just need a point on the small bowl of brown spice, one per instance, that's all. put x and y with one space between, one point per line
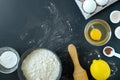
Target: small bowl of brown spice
110 52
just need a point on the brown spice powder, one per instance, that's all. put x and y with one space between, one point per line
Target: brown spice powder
108 51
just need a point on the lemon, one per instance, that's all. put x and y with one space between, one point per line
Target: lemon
95 34
100 69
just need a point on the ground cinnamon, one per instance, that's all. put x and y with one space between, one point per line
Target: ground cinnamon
108 51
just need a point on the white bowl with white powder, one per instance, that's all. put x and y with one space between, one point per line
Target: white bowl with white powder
117 32
39 64
9 59
115 16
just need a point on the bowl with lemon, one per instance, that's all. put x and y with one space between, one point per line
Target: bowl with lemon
97 32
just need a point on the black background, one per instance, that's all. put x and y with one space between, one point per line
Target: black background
53 24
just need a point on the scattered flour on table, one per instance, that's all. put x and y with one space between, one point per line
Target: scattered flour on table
54 29
41 64
92 55
114 68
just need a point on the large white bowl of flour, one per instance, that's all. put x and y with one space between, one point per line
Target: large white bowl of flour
39 64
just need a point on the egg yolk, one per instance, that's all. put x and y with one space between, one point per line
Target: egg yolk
95 34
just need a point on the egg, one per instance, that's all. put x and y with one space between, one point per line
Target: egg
102 2
89 6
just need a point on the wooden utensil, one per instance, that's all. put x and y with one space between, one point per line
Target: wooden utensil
79 72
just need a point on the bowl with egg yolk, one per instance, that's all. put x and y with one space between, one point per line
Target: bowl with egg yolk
97 32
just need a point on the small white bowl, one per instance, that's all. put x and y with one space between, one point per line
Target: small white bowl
117 32
9 70
115 16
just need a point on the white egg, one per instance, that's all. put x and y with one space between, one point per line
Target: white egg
89 6
101 2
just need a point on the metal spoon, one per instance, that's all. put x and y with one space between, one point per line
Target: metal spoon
112 53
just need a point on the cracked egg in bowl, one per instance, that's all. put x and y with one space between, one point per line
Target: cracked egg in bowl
97 32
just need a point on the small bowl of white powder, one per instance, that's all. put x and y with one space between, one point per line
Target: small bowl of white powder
39 64
9 59
117 32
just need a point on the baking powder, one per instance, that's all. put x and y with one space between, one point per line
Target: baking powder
8 59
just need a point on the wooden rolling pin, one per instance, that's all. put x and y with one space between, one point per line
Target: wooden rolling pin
79 72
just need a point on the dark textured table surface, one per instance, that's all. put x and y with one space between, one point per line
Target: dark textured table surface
53 24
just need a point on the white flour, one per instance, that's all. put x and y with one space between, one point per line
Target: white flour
8 59
41 64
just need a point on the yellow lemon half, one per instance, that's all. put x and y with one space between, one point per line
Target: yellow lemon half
95 34
100 70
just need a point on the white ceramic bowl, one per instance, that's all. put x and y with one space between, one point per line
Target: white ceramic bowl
117 32
115 16
9 70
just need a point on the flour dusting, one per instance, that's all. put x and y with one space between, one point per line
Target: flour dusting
92 55
52 32
114 68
